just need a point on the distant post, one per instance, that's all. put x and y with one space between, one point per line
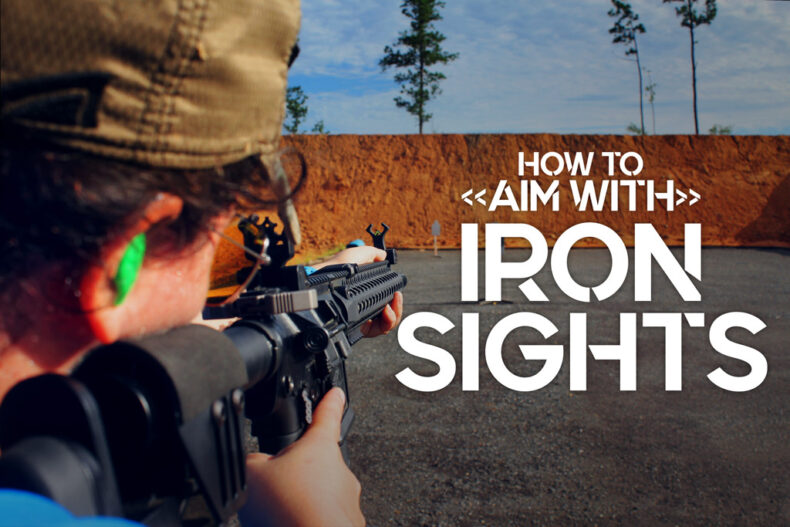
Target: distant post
436 230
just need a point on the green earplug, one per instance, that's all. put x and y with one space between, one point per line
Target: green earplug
129 268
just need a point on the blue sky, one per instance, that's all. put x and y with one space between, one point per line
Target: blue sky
549 66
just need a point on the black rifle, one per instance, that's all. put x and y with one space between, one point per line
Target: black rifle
142 425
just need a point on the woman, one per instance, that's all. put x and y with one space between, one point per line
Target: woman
132 132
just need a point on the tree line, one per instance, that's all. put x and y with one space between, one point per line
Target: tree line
417 52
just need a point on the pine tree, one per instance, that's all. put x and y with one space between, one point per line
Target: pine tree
625 30
691 19
295 109
422 49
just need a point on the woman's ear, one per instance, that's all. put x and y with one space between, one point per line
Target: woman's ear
103 293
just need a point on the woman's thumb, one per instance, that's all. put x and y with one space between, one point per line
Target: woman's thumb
258 457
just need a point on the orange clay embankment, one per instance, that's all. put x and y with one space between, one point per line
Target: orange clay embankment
408 181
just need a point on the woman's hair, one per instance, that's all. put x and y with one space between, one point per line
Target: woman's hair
60 206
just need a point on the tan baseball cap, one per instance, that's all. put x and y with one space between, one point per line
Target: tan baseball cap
169 83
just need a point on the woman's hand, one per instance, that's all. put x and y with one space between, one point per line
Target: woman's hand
364 254
387 320
392 314
308 483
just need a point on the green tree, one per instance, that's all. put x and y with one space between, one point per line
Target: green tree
635 129
295 109
650 90
691 18
422 49
718 129
625 30
318 128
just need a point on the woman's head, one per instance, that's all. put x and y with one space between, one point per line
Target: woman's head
106 105
128 118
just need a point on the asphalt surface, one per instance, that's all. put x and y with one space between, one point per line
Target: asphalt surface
701 456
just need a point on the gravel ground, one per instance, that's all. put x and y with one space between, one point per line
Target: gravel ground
702 456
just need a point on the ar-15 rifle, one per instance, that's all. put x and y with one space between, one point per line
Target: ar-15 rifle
141 425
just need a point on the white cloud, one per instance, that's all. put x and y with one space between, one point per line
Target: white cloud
344 38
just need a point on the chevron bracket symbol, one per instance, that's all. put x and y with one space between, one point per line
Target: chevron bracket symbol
682 197
695 197
478 197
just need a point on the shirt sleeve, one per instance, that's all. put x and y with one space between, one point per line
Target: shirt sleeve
19 508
